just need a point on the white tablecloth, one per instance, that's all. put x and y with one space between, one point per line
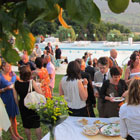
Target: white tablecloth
70 130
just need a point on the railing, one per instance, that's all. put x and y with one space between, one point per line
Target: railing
124 61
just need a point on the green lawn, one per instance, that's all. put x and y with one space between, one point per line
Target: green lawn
6 135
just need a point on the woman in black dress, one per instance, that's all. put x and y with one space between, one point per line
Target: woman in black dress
115 87
29 117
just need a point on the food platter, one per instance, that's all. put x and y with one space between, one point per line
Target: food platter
82 122
110 130
90 130
118 99
99 123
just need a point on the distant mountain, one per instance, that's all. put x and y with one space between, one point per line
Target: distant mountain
130 18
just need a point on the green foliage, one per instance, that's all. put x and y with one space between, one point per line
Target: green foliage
136 1
42 27
65 34
57 81
100 30
136 38
51 14
118 6
23 40
114 35
7 51
36 4
82 11
15 13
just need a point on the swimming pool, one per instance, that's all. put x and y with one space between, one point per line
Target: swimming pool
73 51
98 46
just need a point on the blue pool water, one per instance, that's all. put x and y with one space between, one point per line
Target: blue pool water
96 46
73 51
99 46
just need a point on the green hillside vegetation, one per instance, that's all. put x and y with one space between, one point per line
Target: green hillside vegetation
130 18
92 32
131 21
15 13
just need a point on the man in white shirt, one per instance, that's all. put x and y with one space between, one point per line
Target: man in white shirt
100 76
51 71
38 50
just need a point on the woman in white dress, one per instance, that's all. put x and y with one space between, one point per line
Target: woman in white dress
134 69
130 113
74 90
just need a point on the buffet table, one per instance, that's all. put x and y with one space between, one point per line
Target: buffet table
70 130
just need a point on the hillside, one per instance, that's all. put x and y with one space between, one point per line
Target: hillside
130 18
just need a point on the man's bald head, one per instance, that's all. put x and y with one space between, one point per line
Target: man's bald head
113 53
25 58
47 58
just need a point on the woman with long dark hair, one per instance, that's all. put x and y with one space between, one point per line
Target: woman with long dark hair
133 70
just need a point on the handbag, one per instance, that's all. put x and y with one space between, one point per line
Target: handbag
33 99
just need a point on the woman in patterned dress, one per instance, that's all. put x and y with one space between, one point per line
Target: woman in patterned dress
41 75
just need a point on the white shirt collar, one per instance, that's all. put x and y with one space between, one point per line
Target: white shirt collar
107 73
112 58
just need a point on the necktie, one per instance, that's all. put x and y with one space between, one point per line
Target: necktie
104 77
116 63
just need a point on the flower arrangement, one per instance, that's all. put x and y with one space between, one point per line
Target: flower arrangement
53 110
52 113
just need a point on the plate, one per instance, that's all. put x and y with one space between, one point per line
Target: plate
90 130
99 84
82 122
99 123
110 130
118 99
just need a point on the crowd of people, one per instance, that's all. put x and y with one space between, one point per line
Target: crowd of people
81 95
78 87
13 90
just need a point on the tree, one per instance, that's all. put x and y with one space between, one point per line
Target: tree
15 13
42 27
66 34
114 35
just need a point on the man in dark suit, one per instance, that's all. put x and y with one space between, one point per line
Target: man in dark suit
57 52
100 76
113 56
48 48
89 69
91 102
